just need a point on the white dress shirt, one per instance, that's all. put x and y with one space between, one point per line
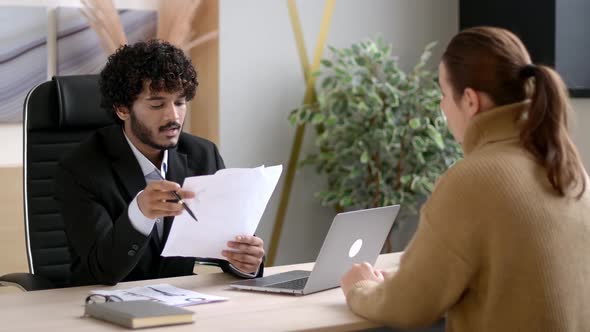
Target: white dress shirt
140 222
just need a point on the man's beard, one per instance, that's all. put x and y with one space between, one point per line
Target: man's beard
145 136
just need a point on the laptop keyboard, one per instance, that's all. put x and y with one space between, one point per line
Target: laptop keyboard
291 284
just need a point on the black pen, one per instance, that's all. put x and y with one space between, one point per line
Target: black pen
179 199
163 292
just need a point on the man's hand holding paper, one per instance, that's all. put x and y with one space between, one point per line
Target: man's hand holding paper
247 253
229 206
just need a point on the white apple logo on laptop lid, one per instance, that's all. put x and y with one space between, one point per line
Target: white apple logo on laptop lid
355 248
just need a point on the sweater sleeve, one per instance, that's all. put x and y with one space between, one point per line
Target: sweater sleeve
431 277
436 268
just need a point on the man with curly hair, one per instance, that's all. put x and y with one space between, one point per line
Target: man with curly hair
116 207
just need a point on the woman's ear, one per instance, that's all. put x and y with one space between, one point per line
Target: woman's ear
122 112
471 102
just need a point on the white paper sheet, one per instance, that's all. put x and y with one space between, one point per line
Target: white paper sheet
163 293
228 203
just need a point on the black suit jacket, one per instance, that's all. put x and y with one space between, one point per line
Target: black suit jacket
95 185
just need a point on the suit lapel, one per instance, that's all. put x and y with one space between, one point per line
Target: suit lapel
127 170
125 165
177 168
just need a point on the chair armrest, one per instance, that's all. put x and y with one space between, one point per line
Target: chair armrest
26 281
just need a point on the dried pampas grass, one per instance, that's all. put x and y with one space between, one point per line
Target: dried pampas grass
104 19
175 23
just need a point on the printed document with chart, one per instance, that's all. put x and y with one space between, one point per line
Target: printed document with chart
227 203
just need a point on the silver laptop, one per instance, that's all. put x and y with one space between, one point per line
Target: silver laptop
354 237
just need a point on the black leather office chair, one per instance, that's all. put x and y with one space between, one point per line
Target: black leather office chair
58 115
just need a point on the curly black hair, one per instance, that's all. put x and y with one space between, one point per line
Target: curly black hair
164 65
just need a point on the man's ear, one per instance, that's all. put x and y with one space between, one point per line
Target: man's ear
122 112
471 102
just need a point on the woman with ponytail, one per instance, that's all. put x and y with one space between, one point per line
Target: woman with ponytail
503 242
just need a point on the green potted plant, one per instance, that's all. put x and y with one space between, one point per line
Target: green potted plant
381 136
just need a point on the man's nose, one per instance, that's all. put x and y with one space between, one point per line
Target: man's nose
172 112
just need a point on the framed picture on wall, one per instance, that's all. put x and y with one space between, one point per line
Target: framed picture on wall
78 47
23 57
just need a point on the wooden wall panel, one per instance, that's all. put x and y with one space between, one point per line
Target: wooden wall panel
204 116
13 257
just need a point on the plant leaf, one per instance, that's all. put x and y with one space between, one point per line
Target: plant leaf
326 63
415 123
365 157
318 118
346 201
435 136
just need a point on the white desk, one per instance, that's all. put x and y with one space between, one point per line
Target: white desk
61 309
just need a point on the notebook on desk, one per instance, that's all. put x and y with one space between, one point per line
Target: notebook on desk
139 314
354 237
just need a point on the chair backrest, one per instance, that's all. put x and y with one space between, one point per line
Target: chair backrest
58 115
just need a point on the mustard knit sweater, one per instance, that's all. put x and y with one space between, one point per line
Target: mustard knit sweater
496 248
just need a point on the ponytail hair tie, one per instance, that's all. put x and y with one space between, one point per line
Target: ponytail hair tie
528 71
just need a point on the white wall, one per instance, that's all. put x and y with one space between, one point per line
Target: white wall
11 145
261 82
